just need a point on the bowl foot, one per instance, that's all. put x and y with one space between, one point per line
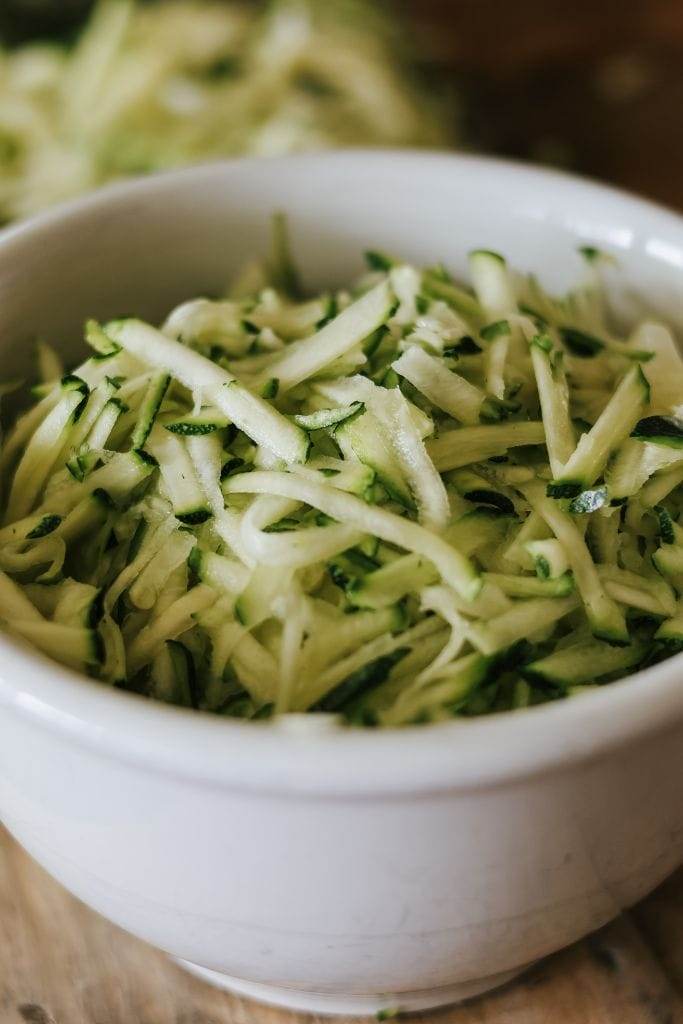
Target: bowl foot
352 1005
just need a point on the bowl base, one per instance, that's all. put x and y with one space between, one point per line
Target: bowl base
334 1003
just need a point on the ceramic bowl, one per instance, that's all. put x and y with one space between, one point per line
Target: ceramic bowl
350 870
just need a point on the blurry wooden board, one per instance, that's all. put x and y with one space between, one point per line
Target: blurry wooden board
593 86
62 964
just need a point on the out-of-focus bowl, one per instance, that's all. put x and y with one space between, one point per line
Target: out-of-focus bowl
348 870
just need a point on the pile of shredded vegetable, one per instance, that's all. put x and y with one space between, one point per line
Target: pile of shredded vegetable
399 503
148 87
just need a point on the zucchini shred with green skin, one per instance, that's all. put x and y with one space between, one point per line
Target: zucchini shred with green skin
395 504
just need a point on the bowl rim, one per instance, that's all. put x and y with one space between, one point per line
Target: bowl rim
297 754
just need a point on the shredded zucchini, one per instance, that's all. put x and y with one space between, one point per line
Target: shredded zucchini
352 504
148 87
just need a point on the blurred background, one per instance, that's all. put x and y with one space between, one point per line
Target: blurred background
94 91
596 85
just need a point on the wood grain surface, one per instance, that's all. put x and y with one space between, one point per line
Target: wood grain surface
60 963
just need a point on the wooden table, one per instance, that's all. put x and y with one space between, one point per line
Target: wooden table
60 963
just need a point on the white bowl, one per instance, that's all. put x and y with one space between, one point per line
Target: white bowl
350 870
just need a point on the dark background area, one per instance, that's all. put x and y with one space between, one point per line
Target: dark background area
592 85
596 85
